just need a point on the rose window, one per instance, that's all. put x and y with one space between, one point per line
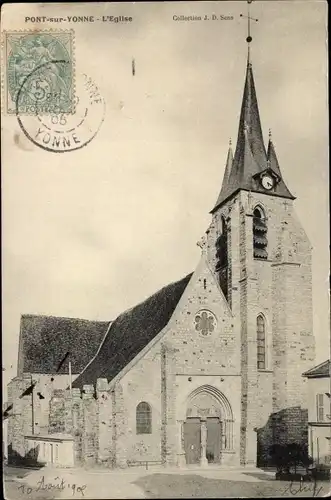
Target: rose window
205 322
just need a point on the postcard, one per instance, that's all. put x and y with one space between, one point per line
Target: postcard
165 250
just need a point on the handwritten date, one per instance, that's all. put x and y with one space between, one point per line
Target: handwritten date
59 484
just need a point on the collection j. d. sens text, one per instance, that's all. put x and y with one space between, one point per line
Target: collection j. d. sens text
212 17
118 19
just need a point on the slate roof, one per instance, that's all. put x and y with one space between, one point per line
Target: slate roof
321 370
250 156
131 332
45 340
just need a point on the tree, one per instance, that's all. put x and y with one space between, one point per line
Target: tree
290 456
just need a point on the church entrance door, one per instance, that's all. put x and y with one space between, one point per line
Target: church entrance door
192 440
213 451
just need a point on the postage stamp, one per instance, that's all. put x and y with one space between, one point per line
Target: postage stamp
39 72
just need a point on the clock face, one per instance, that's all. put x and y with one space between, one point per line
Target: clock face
268 182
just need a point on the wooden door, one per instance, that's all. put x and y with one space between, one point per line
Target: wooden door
213 451
192 440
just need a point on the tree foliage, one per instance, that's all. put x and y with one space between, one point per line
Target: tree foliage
289 457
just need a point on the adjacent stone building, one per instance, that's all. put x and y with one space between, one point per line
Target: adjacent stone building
46 345
319 412
208 370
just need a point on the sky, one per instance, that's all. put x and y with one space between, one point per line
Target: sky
91 233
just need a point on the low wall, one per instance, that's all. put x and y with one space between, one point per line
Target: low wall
56 450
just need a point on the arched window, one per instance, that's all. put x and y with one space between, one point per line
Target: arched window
260 229
261 344
143 418
222 258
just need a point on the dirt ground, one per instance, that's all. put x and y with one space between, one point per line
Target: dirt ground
49 484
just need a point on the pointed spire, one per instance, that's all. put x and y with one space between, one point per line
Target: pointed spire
282 189
227 172
250 156
250 121
228 166
272 157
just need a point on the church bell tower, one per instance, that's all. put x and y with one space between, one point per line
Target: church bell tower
261 258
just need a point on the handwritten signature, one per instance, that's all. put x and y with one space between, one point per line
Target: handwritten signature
59 484
296 487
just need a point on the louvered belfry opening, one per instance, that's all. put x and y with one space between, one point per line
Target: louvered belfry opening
222 259
260 230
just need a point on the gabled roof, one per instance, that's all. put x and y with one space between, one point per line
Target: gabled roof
250 156
321 370
131 332
45 340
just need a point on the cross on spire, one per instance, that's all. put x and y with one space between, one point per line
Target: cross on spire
249 19
250 159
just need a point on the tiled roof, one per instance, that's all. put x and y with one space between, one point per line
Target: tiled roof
45 340
131 332
321 370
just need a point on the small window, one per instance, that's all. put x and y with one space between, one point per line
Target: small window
143 418
261 347
260 229
320 407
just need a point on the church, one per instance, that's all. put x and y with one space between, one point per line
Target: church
208 370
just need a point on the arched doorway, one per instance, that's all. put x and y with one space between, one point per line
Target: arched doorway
208 428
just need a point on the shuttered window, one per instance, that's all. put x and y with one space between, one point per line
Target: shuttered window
260 229
261 346
222 258
320 407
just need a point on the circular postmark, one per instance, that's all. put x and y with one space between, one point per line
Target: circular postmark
61 132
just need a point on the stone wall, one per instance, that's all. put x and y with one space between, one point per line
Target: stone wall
168 411
57 412
38 413
20 421
78 414
75 419
87 416
288 426
146 381
106 452
280 289
171 367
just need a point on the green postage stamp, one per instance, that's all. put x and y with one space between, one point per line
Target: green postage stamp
39 72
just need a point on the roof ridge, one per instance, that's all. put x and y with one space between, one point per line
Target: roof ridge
150 296
132 331
29 315
312 371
